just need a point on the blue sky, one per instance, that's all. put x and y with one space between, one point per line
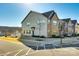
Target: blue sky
11 14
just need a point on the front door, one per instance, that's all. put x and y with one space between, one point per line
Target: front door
33 29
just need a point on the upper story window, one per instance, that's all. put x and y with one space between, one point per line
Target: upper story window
40 21
55 22
24 31
27 23
48 21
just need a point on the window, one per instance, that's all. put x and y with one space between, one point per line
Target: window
28 32
40 21
54 22
28 24
24 31
48 21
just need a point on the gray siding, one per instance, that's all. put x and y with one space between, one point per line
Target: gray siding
33 18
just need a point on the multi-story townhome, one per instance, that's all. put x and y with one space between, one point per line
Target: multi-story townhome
77 28
52 24
41 24
62 28
74 27
48 24
68 27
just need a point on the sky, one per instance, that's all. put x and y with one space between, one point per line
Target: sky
11 14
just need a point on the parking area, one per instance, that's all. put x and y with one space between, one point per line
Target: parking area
12 47
16 48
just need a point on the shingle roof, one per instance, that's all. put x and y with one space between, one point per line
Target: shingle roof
74 21
49 14
66 20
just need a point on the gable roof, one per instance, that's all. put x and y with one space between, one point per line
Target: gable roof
48 14
66 20
28 15
74 21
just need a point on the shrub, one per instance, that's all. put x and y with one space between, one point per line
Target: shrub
65 35
77 34
54 36
74 35
42 36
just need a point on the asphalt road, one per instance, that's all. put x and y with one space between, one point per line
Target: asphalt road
13 49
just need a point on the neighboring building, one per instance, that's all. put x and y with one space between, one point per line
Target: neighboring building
9 31
41 24
1 33
74 27
68 29
17 33
77 28
62 28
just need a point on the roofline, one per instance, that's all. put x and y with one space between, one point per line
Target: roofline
66 18
74 20
53 15
35 12
26 17
56 14
28 14
48 11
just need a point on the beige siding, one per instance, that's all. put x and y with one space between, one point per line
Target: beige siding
54 26
77 29
70 28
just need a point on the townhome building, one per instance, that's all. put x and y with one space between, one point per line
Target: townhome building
77 28
48 24
41 24
69 27
74 22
